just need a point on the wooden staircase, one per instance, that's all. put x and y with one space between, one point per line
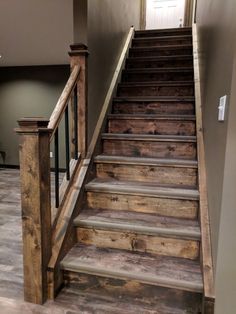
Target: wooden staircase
138 234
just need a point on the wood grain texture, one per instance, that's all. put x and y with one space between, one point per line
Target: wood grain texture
162 41
163 175
207 262
138 105
142 267
36 206
179 50
136 298
149 75
144 204
152 149
63 101
151 124
163 32
159 62
156 89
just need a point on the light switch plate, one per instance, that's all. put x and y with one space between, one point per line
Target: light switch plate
222 108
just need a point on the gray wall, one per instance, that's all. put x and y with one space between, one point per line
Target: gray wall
217 29
217 32
108 23
26 92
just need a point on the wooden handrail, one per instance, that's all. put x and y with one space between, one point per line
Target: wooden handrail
63 100
206 251
63 229
35 137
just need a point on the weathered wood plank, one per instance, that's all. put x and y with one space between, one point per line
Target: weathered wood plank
160 206
207 263
159 126
142 267
36 207
167 149
156 89
145 173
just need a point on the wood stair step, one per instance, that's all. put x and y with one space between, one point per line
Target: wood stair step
152 124
159 171
160 74
156 88
163 32
154 105
138 232
159 62
141 189
165 50
154 146
146 161
170 272
92 294
142 223
162 40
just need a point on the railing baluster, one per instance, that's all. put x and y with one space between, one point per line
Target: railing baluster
67 140
56 152
76 123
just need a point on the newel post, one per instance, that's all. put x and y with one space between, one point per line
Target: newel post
79 56
36 208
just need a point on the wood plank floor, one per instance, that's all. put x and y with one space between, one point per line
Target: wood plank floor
69 300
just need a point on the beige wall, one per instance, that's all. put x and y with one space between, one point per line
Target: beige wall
108 23
217 32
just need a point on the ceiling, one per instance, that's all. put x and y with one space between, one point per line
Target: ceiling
35 32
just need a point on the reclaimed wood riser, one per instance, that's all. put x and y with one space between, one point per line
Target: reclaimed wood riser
176 150
144 204
146 64
138 242
160 42
160 175
163 32
139 298
158 107
155 90
155 126
139 52
148 77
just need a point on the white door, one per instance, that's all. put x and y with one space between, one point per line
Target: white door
164 13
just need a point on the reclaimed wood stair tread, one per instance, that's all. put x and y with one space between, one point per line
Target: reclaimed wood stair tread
158 70
160 58
164 47
141 189
148 137
151 117
157 270
154 98
157 83
163 30
145 161
162 37
148 224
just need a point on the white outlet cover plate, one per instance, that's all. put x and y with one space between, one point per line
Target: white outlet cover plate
222 108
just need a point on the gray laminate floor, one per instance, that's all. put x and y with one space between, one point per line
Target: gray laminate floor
11 270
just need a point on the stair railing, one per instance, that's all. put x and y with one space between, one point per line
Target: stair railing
36 136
